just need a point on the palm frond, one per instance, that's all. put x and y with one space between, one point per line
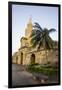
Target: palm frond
52 30
35 32
41 37
35 39
40 43
49 42
37 26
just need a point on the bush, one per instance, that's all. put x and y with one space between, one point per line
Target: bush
44 70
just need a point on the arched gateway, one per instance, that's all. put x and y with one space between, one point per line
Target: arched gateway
16 59
21 58
33 59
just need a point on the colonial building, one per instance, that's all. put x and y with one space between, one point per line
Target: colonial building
27 55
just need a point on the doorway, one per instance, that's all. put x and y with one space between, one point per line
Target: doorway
21 58
33 59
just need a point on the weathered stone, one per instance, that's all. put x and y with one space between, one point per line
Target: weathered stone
26 54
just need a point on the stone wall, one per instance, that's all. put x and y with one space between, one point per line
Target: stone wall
40 56
24 54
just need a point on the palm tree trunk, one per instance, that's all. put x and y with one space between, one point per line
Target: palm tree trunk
46 58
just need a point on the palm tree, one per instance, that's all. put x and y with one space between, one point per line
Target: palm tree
41 38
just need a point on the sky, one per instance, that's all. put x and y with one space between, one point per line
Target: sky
47 17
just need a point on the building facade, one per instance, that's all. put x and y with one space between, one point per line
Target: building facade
27 54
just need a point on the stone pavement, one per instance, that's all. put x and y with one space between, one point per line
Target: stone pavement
21 77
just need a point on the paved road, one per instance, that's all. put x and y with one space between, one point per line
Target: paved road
21 77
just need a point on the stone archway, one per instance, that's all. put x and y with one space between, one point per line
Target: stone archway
16 59
21 58
33 59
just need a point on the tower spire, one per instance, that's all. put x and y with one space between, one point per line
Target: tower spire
29 28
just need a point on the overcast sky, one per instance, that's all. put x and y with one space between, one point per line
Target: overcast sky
47 17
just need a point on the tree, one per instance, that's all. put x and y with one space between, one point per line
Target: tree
41 37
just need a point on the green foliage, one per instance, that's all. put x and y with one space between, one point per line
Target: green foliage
41 37
44 70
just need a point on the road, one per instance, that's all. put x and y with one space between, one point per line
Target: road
21 77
